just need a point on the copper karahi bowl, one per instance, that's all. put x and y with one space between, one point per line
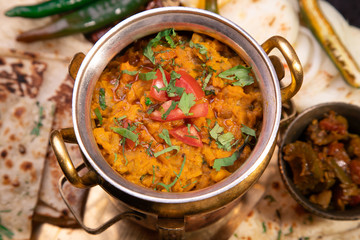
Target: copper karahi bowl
175 213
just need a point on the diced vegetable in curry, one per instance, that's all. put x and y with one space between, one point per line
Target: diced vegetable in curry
326 163
176 112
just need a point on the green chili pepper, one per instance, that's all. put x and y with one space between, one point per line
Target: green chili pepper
87 19
45 9
211 5
330 41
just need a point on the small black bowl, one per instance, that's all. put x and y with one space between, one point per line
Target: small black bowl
294 132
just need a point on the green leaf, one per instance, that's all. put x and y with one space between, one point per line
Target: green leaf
171 89
126 133
244 82
163 76
264 227
167 33
229 161
175 75
169 186
5 231
131 73
148 149
98 115
148 52
148 101
238 73
224 141
102 100
123 151
186 102
216 131
115 157
172 107
206 81
153 179
202 49
38 124
117 121
165 150
248 131
147 76
224 162
165 135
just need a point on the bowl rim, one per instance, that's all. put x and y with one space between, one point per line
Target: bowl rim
296 128
256 158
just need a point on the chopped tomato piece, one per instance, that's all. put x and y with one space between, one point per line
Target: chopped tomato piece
129 143
198 110
189 84
157 84
187 135
185 81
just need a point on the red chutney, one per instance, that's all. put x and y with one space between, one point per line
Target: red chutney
176 112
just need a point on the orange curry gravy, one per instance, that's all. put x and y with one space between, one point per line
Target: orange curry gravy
176 112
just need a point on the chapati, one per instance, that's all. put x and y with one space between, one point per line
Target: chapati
24 129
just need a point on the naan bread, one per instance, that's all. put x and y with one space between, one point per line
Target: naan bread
51 201
56 86
24 129
263 19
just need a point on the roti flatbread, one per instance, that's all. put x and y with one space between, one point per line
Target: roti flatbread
263 18
24 129
51 201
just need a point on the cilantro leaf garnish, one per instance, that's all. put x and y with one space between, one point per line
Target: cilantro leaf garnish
115 157
224 141
171 89
165 150
123 151
163 77
167 34
98 115
228 161
202 49
149 151
264 227
102 100
117 121
238 73
169 186
147 76
216 131
206 81
172 107
186 102
165 135
38 124
248 131
126 133
131 73
148 101
153 179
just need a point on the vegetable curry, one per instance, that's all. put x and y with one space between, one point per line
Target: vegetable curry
176 112
325 163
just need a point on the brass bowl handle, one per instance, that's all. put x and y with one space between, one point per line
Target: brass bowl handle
75 64
292 61
57 140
